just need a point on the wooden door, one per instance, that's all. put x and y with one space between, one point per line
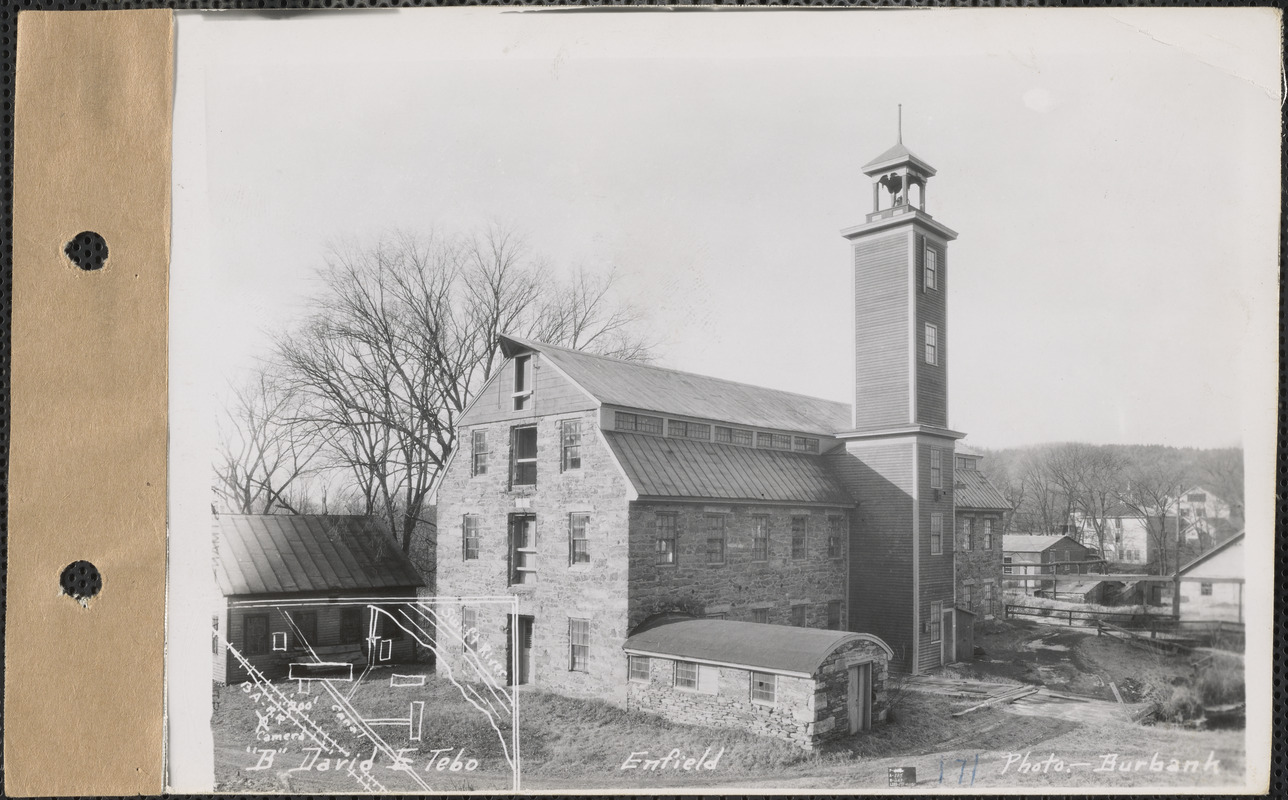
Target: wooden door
948 637
520 661
859 700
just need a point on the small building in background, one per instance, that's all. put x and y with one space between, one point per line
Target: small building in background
1027 558
979 509
804 685
1222 597
293 588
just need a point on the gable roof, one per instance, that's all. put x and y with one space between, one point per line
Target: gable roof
780 648
1032 542
670 467
612 381
283 554
1194 562
973 490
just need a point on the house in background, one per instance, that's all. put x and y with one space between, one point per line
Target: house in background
290 584
977 558
1220 598
1132 539
1026 557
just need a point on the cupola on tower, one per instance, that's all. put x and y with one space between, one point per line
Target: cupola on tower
901 440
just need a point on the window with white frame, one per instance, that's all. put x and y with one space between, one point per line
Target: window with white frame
522 382
774 441
569 445
932 343
800 537
931 269
640 423
966 598
579 645
524 471
478 452
936 469
988 533
764 688
686 675
469 538
665 526
805 444
760 538
936 621
733 436
835 536
578 543
967 533
688 430
638 670
936 534
523 549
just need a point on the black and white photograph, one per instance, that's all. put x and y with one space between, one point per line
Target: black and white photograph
710 401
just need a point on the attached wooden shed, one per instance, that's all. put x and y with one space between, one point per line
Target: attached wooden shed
303 588
805 685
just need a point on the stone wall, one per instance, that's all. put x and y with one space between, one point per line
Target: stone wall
976 567
805 712
594 591
740 585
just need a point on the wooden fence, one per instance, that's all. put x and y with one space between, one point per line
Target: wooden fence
1162 627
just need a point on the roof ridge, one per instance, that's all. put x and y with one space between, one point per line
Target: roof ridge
642 365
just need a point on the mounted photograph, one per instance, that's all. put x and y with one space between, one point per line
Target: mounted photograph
723 401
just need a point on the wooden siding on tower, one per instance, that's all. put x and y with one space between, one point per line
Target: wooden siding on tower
881 564
935 572
932 379
881 379
552 394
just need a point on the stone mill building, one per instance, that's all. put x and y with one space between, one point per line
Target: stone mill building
611 497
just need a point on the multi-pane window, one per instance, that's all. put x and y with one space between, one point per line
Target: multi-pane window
932 343
523 549
1205 588
715 538
764 688
968 533
469 624
988 534
936 534
570 444
966 598
522 382
988 599
256 634
639 669
936 469
806 444
834 615
469 538
798 616
1006 565
760 615
774 441
688 430
478 452
733 436
936 621
760 539
641 423
578 545
351 625
1197 497
579 645
306 628
686 675
932 269
524 472
665 524
835 535
800 537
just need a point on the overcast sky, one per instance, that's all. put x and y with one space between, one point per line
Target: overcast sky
1113 176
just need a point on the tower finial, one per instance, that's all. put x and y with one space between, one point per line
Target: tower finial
901 123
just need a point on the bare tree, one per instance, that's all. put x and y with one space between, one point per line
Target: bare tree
1155 479
1090 478
264 455
1222 472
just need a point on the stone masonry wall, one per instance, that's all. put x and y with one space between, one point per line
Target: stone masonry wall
740 585
806 711
594 591
976 566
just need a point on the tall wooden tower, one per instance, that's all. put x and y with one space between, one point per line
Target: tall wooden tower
900 453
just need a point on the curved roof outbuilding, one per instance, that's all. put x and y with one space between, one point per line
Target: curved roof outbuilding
749 645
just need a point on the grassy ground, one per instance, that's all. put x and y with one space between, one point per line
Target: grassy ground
582 745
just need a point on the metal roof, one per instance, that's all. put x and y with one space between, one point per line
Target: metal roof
670 467
896 155
646 387
1031 542
283 554
973 490
758 645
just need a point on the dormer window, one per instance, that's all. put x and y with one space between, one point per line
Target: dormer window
522 382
